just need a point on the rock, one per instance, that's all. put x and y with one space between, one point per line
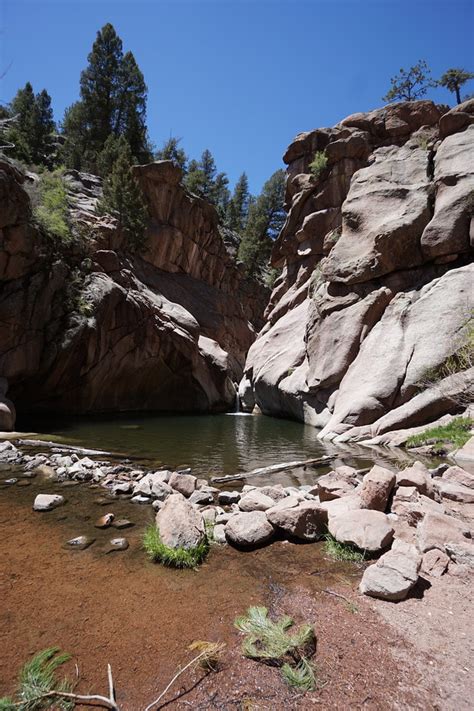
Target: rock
455 492
276 493
157 504
46 502
180 525
121 487
201 498
154 485
255 501
366 529
121 523
376 488
11 481
337 507
249 529
418 476
80 543
456 475
306 521
435 563
141 499
394 574
7 409
218 534
466 453
437 530
226 498
209 515
117 544
462 553
105 521
408 504
334 485
185 484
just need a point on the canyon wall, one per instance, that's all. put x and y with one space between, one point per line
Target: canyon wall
377 283
86 325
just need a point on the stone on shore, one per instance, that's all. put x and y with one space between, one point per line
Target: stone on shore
457 475
435 563
462 553
334 485
394 574
248 529
47 502
179 523
437 530
376 488
466 453
306 521
185 484
225 498
255 501
418 476
366 529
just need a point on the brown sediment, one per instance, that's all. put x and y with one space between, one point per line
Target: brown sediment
140 618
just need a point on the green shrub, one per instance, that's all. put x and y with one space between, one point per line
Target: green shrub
301 677
37 678
456 433
51 212
158 552
319 163
342 551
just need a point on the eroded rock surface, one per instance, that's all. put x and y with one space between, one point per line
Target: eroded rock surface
377 277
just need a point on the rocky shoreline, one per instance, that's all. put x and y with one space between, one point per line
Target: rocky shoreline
407 523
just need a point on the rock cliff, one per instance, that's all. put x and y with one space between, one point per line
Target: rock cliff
377 276
88 326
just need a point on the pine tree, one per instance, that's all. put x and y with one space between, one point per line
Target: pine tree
113 101
172 151
123 198
453 80
410 85
238 208
31 131
111 152
265 220
220 195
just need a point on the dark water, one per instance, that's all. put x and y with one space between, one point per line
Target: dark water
210 444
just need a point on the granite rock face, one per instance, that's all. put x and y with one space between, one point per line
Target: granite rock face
377 274
91 326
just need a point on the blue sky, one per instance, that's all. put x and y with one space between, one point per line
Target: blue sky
240 77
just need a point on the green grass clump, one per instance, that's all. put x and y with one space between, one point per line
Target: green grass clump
456 433
342 551
158 552
37 678
300 677
319 163
51 212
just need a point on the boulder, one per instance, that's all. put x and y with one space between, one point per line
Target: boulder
7 409
249 529
202 498
46 502
394 574
457 475
179 523
185 484
255 501
218 534
417 476
408 504
334 485
376 488
225 498
153 485
455 492
366 529
462 553
435 563
306 521
466 453
437 530
276 492
338 507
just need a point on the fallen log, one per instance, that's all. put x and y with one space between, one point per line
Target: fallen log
321 461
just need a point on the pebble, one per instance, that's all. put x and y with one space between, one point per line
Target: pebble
80 542
139 499
122 523
117 544
104 521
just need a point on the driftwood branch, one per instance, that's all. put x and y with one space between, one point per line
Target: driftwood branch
321 461
331 592
178 674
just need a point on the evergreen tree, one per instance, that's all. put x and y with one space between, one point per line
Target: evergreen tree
410 85
32 128
123 198
220 195
113 101
238 208
172 151
265 220
111 152
453 80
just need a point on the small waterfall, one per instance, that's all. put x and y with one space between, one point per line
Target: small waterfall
237 399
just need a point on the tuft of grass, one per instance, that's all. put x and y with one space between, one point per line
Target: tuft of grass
271 641
300 677
212 652
342 551
456 433
319 163
37 678
158 552
51 212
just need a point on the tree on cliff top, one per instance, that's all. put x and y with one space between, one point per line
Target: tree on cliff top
31 132
265 220
122 197
410 85
453 80
239 204
172 151
113 101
